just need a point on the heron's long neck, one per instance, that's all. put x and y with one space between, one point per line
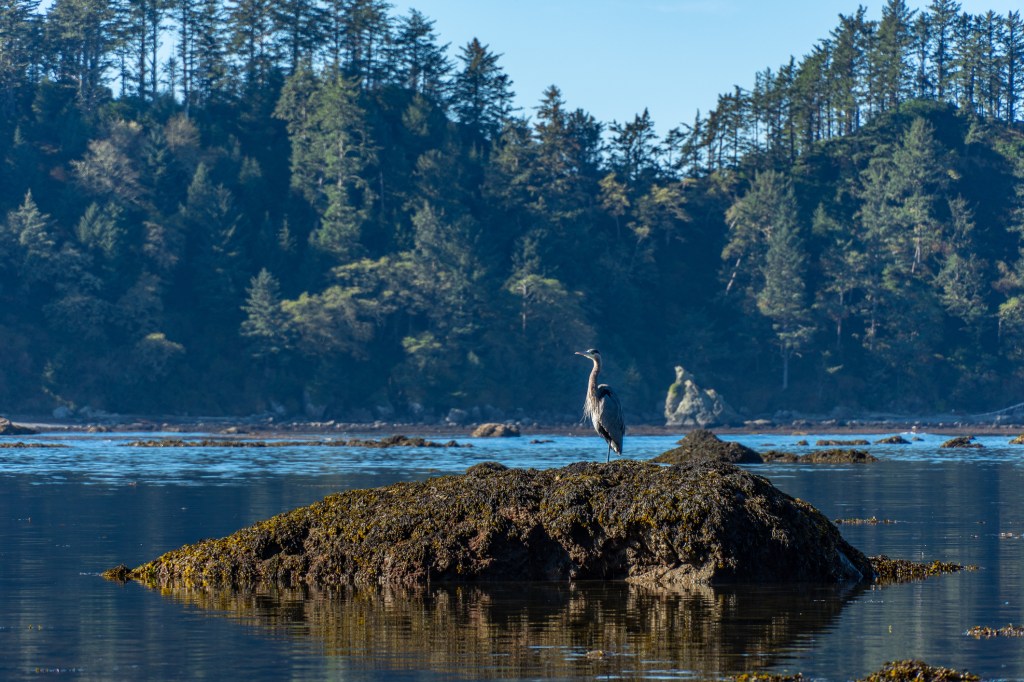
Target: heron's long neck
592 385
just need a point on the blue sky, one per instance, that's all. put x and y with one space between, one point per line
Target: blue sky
615 57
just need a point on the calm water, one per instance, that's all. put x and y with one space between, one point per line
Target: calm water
67 514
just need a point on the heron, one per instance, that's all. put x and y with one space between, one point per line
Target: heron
603 408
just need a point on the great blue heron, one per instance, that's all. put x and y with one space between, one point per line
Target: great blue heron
603 408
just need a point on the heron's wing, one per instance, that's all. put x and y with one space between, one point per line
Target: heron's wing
610 411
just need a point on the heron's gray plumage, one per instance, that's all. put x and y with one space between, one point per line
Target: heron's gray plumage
602 407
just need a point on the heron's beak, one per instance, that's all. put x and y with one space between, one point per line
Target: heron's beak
584 354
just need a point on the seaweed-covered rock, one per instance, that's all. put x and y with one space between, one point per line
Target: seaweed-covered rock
702 444
832 456
1019 440
841 443
706 522
961 442
9 428
892 440
986 632
916 671
889 571
496 431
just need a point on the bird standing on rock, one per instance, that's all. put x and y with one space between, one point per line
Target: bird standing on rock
603 408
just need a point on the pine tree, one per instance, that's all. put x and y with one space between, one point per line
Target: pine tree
942 19
18 53
482 92
299 26
422 64
890 66
1013 59
782 299
266 325
253 39
80 41
331 147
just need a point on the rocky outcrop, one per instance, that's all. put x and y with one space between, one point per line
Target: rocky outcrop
701 523
9 428
961 442
496 431
687 404
832 456
702 444
892 440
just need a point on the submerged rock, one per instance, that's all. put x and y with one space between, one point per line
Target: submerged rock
687 404
891 671
705 522
986 632
916 671
889 571
9 428
496 431
702 444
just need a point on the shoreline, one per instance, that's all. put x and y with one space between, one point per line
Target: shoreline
266 426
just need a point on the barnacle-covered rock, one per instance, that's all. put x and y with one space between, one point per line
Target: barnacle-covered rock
704 522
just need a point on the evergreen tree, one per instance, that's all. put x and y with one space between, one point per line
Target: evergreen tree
942 19
422 64
782 299
18 53
266 326
890 65
80 41
1013 56
482 92
331 148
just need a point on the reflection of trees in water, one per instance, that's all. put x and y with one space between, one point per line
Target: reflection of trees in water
545 629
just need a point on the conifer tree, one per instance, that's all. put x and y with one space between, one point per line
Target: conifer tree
482 92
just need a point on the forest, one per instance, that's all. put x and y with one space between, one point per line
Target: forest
313 207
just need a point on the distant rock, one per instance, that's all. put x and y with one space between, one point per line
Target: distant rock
961 442
832 456
841 443
9 428
703 445
492 430
700 523
1019 440
687 404
893 440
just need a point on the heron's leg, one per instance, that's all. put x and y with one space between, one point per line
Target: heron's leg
609 457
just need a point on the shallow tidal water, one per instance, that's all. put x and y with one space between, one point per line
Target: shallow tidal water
67 514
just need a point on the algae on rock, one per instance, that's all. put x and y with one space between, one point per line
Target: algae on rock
704 522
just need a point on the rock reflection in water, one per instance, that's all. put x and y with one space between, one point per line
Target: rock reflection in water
543 629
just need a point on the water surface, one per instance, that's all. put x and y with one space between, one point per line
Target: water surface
68 513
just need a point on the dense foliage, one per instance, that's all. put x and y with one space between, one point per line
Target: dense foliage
312 205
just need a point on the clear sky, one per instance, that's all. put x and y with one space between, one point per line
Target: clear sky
615 57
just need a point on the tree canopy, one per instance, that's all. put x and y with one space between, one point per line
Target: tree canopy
315 206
